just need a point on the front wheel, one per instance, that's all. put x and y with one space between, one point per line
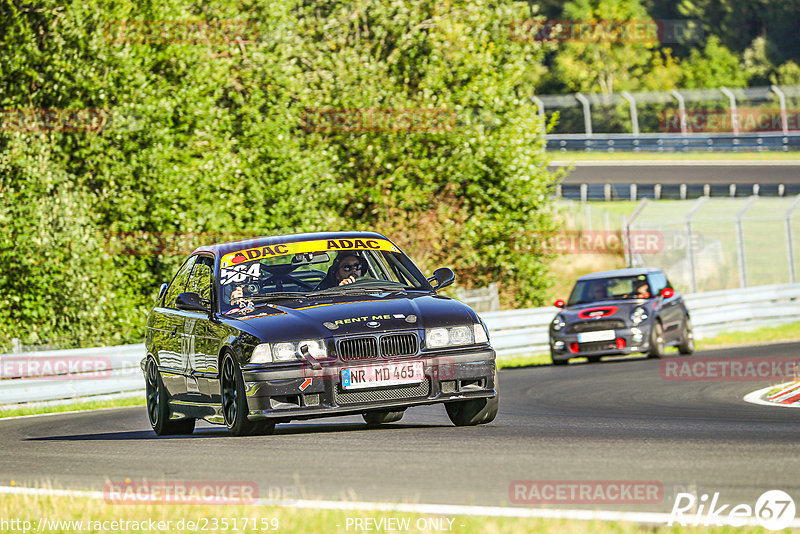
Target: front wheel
556 362
234 402
687 338
656 341
158 405
472 412
382 417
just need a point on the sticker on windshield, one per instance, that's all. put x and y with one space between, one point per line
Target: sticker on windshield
321 245
240 273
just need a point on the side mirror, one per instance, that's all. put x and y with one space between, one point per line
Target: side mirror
161 292
667 292
191 302
559 303
443 276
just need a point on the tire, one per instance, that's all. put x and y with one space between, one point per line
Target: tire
593 359
472 412
556 362
686 345
382 417
234 402
656 341
158 410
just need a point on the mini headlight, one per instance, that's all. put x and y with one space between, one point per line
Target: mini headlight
558 322
261 354
638 315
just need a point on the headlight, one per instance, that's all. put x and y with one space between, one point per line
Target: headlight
480 333
261 354
454 335
558 322
288 351
638 315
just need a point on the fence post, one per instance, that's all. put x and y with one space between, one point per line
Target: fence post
634 117
740 241
584 192
690 242
16 346
782 99
626 227
587 113
789 242
681 110
540 107
734 117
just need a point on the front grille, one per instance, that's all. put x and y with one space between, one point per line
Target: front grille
597 346
385 394
399 345
359 348
599 324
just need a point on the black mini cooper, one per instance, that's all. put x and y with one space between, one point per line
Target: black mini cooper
620 312
254 333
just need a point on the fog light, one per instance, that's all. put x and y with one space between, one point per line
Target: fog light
558 345
636 334
620 343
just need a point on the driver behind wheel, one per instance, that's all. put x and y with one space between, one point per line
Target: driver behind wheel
346 268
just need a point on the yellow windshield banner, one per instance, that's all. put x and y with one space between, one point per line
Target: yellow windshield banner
321 245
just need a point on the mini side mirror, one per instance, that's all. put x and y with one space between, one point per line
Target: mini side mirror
559 303
443 277
667 292
191 302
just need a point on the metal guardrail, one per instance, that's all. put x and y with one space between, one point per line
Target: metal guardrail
512 332
663 142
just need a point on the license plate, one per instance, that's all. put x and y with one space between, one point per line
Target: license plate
600 335
392 374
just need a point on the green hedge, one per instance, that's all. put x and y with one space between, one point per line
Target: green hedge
410 118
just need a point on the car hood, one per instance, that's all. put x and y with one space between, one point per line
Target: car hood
345 315
605 309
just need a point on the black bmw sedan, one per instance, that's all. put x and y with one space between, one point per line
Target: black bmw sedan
620 312
253 333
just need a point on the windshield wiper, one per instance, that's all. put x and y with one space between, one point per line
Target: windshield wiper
351 288
277 296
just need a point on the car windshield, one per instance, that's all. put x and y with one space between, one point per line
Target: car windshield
612 288
314 268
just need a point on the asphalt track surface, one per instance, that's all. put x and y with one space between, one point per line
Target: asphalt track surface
614 420
677 172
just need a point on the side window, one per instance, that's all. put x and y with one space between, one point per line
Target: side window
200 279
178 283
658 281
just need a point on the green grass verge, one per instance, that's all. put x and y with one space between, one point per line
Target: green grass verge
73 406
96 516
673 156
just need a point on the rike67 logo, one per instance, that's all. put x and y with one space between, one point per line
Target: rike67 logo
774 510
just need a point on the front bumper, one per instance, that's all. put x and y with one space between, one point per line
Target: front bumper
302 392
636 338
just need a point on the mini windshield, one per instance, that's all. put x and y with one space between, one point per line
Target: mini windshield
313 268
614 288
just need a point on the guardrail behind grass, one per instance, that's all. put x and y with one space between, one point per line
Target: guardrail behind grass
513 332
